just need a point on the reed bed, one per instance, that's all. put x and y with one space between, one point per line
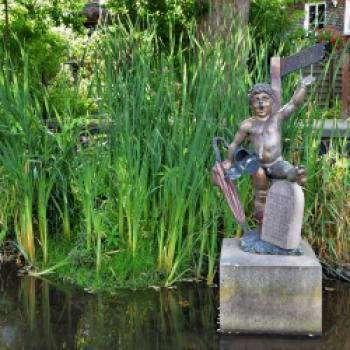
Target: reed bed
135 204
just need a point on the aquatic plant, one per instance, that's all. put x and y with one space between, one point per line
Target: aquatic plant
134 203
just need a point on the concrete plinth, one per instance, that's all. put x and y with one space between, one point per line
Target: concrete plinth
270 294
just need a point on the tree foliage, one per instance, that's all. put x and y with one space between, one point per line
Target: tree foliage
271 20
35 26
179 13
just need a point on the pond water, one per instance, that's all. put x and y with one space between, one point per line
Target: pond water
39 314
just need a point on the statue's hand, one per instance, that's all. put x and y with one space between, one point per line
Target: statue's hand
304 82
226 164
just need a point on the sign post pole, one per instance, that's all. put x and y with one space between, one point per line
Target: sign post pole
276 81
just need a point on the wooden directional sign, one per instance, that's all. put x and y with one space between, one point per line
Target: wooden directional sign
281 66
302 59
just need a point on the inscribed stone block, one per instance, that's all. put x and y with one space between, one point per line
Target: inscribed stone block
283 216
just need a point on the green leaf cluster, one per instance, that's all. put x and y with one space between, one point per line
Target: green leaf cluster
38 26
179 13
273 23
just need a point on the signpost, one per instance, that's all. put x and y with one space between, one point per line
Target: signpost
281 66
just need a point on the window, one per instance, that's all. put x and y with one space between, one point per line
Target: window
315 16
347 18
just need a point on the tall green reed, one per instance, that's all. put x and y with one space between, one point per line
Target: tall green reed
16 145
29 158
142 187
164 108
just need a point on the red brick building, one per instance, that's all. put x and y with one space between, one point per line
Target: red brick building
334 71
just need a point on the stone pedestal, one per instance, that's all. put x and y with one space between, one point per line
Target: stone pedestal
270 294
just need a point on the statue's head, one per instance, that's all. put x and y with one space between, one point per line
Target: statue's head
261 99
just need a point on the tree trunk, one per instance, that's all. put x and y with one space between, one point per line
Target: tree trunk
241 9
222 16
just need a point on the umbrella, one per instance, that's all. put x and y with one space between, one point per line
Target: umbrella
226 184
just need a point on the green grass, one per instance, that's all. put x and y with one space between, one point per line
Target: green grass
135 205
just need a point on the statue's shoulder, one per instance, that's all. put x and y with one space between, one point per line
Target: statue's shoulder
247 124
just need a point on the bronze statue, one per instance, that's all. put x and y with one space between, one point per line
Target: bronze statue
264 131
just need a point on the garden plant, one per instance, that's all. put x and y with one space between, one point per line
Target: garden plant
132 203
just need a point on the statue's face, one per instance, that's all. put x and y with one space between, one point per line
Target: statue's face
262 104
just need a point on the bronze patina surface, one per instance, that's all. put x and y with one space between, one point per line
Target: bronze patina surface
265 133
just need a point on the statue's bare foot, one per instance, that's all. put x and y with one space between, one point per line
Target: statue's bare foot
302 175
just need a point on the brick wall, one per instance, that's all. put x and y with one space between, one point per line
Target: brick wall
330 79
329 74
335 15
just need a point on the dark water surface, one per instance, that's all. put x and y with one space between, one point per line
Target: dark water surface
37 314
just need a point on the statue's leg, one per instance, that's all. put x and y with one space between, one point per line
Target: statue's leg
261 186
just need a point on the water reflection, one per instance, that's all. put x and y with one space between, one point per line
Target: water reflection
37 314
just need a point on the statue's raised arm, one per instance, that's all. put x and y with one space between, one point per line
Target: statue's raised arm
297 99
